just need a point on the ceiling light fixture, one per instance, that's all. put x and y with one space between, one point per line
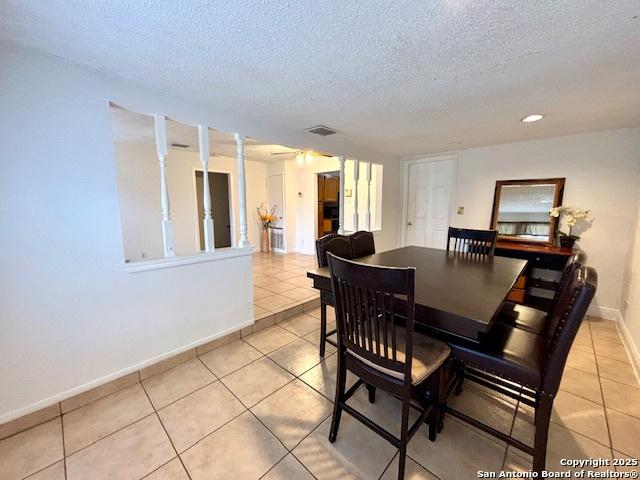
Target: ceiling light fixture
532 118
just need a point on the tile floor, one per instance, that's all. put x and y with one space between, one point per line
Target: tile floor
280 282
260 408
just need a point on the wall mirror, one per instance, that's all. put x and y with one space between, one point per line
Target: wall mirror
521 209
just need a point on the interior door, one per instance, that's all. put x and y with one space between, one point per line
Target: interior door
429 202
275 196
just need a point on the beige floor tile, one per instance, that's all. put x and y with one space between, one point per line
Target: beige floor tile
169 471
227 453
263 280
301 325
30 420
301 281
230 358
100 418
289 468
596 322
260 313
170 385
322 377
53 472
274 302
283 276
490 408
279 287
256 381
259 292
30 451
297 357
621 397
357 453
99 392
130 453
270 339
458 452
168 363
580 415
331 313
630 464
614 351
625 433
585 361
516 463
581 383
299 293
198 414
314 337
601 335
621 372
412 471
292 412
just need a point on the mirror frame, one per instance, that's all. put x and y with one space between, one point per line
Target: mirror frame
557 201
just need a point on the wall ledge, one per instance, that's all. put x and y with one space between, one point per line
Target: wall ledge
179 261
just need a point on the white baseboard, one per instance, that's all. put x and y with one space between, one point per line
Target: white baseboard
629 345
47 402
607 313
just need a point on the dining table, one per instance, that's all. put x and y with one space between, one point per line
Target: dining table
456 293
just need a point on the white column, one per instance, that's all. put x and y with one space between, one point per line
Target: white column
356 177
341 197
368 214
242 191
162 149
207 221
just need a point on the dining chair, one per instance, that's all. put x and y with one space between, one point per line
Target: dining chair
472 242
526 366
339 245
534 319
383 350
362 244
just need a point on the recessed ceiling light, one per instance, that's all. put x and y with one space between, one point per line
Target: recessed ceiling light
532 118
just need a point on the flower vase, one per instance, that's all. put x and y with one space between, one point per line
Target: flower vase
264 241
567 242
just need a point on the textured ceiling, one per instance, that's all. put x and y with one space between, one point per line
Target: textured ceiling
397 77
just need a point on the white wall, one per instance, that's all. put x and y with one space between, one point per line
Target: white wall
601 171
631 293
71 317
139 197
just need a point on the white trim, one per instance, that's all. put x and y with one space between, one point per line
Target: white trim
629 345
219 254
404 194
47 402
606 313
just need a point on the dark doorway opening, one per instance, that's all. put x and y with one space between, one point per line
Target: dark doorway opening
220 208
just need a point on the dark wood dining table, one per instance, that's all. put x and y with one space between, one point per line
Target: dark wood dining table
455 293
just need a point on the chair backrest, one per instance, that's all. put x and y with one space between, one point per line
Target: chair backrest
575 261
365 297
335 243
565 323
362 244
473 242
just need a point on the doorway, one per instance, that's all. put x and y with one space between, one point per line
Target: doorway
430 185
220 208
275 198
328 216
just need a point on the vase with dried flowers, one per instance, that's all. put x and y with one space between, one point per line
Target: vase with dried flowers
570 217
267 217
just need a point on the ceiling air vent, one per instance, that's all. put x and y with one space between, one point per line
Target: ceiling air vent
321 130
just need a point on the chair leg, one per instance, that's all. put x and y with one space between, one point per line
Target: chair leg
323 327
372 393
337 405
435 418
404 438
543 414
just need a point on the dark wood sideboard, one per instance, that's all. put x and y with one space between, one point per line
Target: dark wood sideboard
532 288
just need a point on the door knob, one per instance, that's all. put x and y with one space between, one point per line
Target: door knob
409 224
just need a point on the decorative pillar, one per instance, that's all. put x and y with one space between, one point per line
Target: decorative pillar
162 149
207 222
356 178
341 197
242 191
368 214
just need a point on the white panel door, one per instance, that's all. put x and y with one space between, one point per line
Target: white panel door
429 200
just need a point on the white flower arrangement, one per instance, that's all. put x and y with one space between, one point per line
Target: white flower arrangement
571 217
